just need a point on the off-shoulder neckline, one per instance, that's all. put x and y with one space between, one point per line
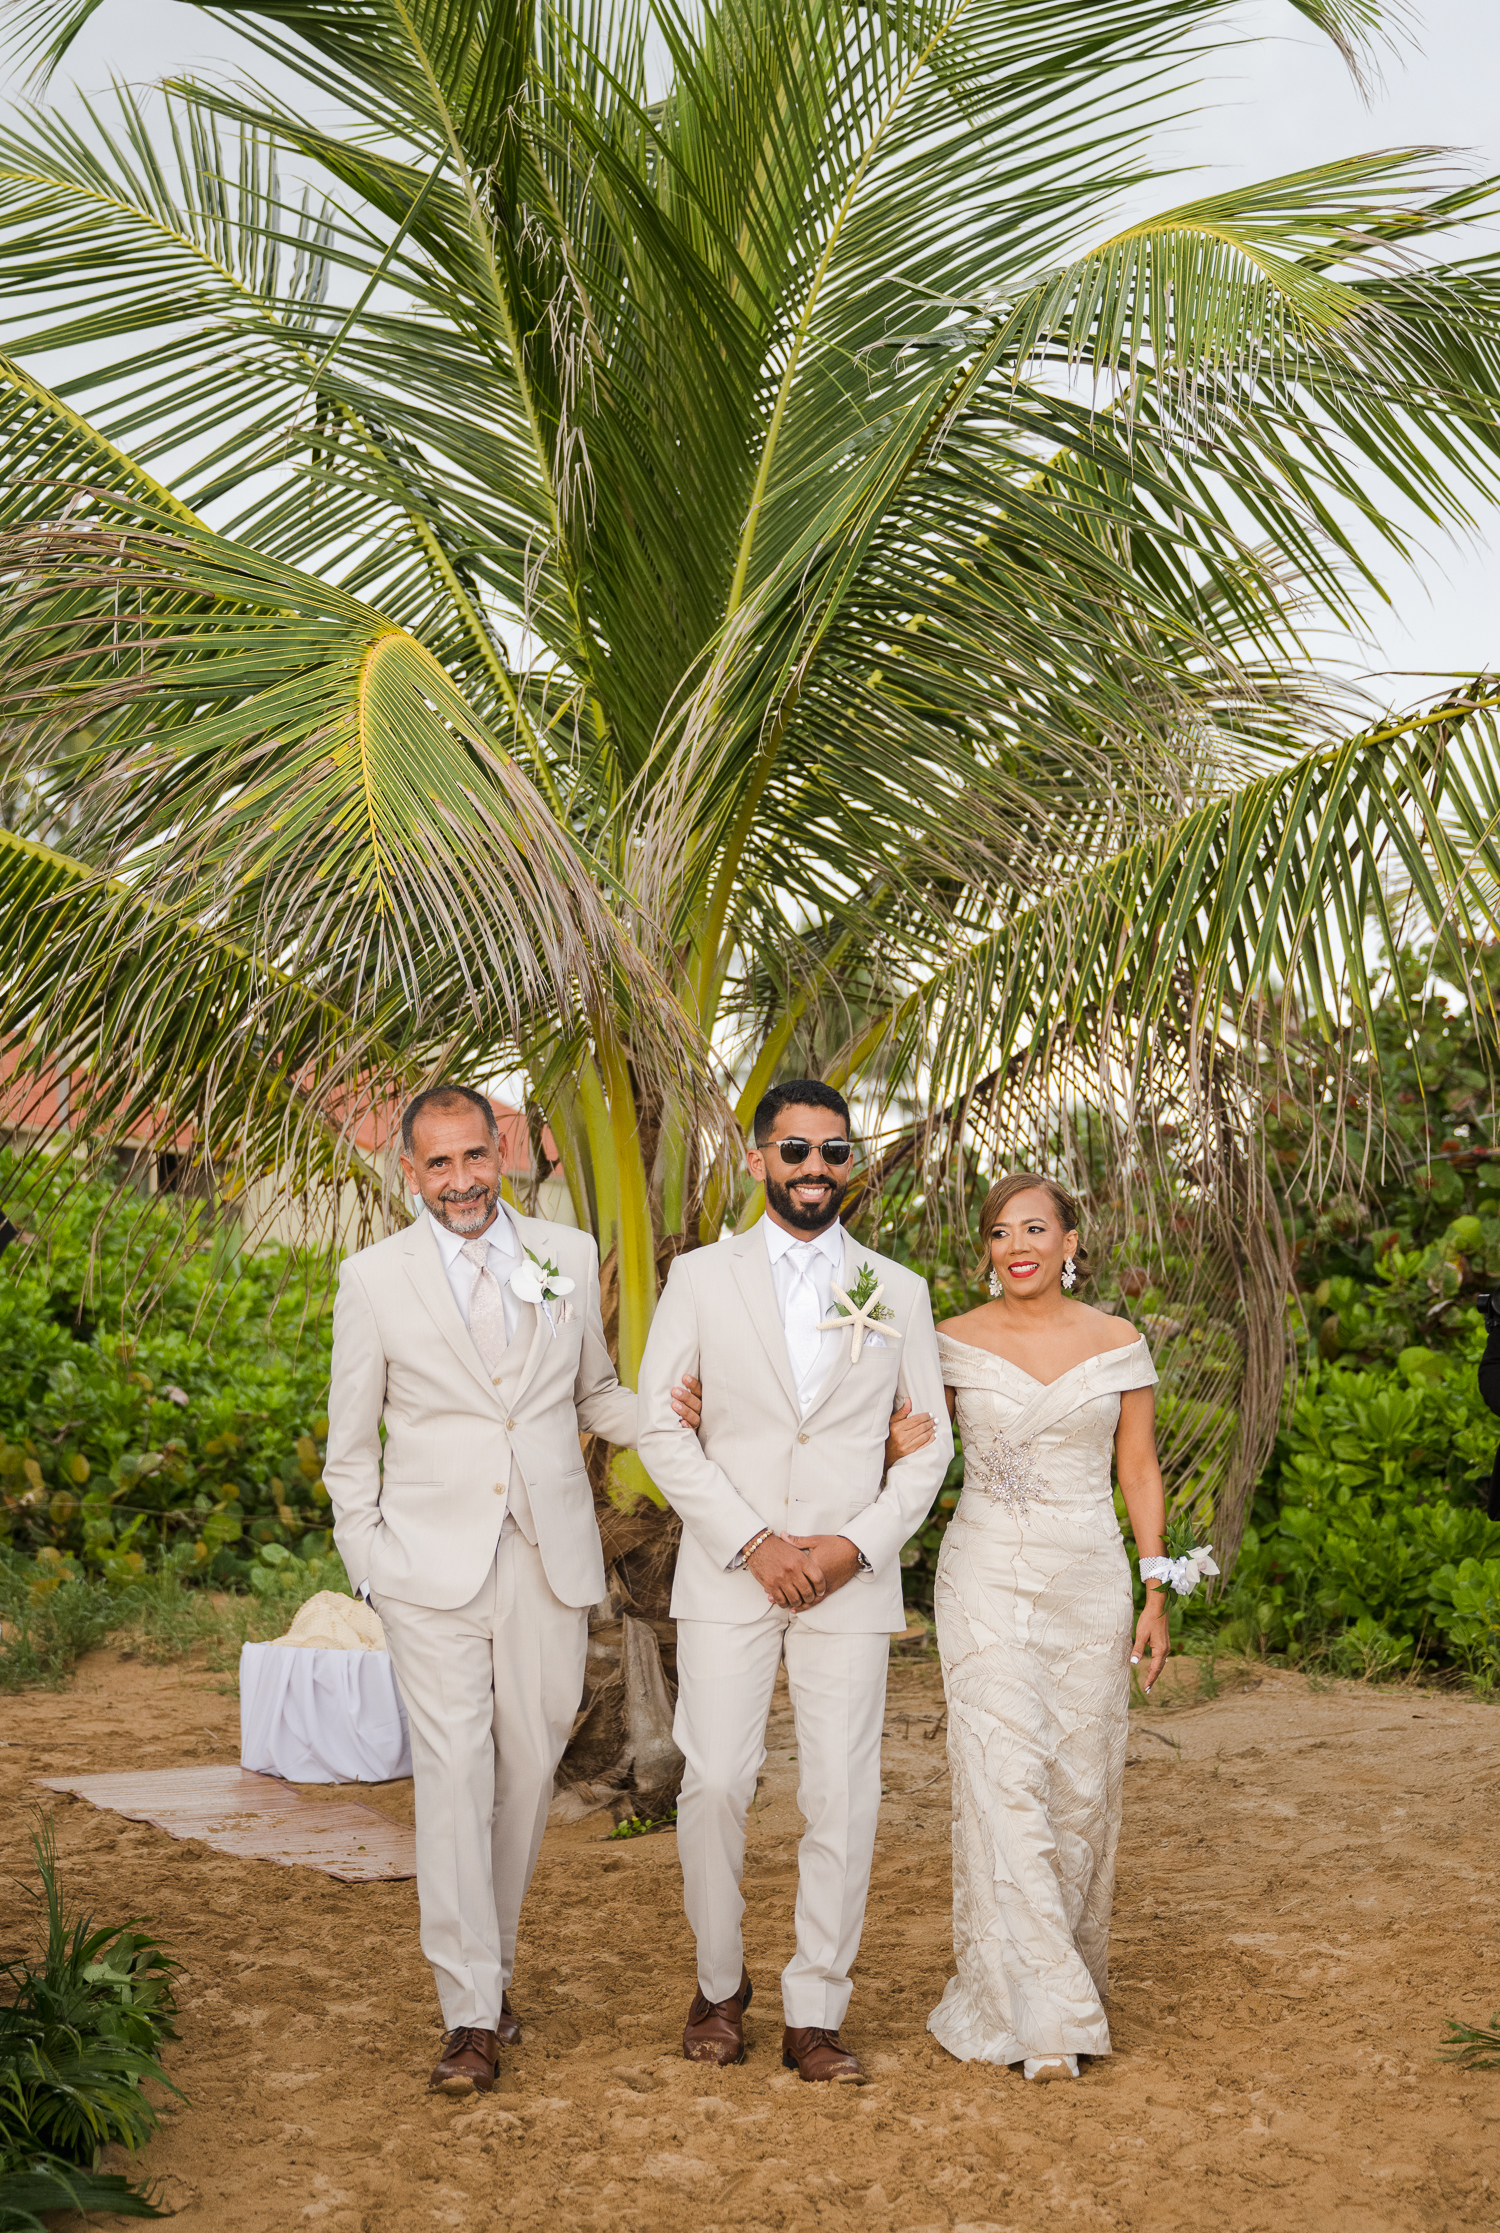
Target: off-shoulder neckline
1121 1349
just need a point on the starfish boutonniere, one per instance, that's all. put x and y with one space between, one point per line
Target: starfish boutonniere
861 1310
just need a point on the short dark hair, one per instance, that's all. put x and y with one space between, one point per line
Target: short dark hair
796 1093
447 1097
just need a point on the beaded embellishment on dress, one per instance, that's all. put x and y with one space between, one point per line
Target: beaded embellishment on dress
1008 1474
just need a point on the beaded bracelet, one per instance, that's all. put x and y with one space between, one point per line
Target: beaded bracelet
755 1543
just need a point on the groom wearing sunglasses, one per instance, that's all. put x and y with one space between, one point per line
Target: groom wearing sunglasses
791 1541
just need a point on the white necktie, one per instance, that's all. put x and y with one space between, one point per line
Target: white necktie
803 1311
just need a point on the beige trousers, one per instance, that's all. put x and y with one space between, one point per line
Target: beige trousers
490 1693
725 1677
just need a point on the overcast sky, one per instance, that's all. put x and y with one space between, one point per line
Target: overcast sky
1280 104
1286 102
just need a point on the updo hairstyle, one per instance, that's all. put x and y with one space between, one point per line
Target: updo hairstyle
1006 1189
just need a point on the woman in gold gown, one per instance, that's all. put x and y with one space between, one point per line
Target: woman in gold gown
1034 1624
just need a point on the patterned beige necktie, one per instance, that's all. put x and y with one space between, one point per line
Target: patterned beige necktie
487 1325
486 1305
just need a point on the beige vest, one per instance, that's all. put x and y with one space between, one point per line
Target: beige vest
507 1387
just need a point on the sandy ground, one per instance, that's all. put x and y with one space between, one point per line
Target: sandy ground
1306 1891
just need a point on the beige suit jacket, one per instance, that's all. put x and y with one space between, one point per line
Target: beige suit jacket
420 1519
758 1462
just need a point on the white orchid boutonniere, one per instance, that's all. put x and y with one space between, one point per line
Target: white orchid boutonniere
861 1310
537 1280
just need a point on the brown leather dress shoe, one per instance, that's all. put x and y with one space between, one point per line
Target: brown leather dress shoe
468 2062
715 2029
508 2030
819 2056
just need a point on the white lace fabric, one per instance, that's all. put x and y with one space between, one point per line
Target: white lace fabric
1033 1606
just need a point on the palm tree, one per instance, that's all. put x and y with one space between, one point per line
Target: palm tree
699 532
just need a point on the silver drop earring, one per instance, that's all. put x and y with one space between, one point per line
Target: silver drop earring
1070 1276
994 1281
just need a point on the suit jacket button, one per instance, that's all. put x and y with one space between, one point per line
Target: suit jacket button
510 1422
802 1438
499 1488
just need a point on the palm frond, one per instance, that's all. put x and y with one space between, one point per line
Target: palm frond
247 740
164 1029
1354 26
1114 1026
225 354
1265 886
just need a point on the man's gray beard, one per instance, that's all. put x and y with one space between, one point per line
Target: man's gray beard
780 1199
487 1204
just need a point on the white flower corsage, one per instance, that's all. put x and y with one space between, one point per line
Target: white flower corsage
1181 1574
860 1311
538 1280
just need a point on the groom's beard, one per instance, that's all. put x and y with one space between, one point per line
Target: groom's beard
808 1217
466 1210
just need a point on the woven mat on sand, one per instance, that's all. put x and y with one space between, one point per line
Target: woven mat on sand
256 1817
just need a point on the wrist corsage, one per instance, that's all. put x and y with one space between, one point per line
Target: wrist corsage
1186 1563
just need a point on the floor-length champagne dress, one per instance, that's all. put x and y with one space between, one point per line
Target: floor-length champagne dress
1034 1623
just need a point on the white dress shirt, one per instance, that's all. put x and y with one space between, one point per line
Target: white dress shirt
807 1349
818 1261
504 1258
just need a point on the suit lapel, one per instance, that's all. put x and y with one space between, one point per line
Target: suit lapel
752 1270
428 1275
841 1364
535 1236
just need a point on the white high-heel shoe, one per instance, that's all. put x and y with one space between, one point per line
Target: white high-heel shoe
1045 2067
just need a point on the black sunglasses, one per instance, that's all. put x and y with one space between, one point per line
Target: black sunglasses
834 1152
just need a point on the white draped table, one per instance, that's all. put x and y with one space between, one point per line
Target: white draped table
321 1716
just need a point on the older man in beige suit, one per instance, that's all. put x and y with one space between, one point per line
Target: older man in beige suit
474 1338
792 1533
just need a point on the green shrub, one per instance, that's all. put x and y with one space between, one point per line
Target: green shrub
159 1390
1351 1583
1466 1610
1411 1432
48 1622
1428 1166
52 1610
79 2038
1376 1490
1368 1649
